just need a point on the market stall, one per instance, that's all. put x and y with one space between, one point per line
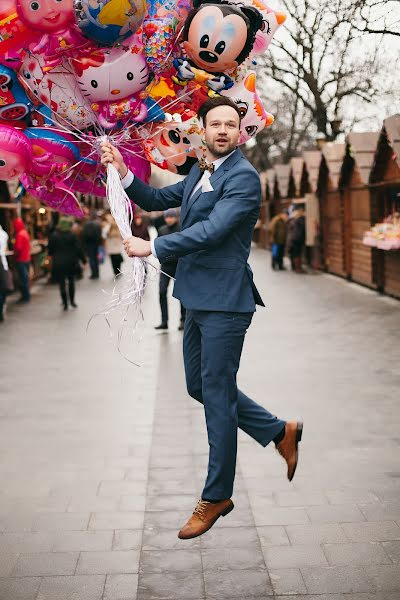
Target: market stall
384 236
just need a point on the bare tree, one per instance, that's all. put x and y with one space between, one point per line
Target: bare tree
379 17
321 63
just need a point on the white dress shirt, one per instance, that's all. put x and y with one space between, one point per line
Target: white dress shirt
203 183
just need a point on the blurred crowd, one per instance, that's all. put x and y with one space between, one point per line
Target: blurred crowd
74 246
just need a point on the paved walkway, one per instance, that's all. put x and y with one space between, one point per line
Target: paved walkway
101 461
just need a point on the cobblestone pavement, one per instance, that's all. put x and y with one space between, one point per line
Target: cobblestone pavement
102 461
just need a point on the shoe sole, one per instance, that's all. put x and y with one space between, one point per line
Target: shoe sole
223 514
299 435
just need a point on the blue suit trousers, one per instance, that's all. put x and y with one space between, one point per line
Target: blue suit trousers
212 347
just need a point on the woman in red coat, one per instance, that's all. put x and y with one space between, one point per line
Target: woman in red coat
22 255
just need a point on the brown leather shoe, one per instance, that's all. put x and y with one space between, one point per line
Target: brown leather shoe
203 518
288 447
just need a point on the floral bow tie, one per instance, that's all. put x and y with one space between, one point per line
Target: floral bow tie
205 166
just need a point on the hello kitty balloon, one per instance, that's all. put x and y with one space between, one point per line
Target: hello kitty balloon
113 82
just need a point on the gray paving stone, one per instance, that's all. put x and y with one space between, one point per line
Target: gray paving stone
326 580
93 504
7 564
281 557
164 561
385 577
122 488
79 587
166 519
24 588
275 515
172 487
16 522
70 541
46 563
385 511
127 539
164 539
117 520
392 549
351 495
121 587
287 581
14 543
230 537
217 559
179 586
170 502
345 513
300 498
132 503
273 535
329 597
115 561
61 522
316 534
372 532
237 584
356 554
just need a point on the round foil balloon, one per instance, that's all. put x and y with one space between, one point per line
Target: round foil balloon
254 116
15 153
53 21
109 21
57 89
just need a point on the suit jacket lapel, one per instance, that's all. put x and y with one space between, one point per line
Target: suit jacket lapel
213 179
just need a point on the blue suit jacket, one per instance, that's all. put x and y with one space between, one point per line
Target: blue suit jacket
216 231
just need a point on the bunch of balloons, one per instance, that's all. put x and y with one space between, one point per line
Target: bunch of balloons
136 71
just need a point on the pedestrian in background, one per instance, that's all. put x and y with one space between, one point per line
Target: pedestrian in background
66 252
22 255
113 243
3 270
139 227
278 231
297 239
91 240
168 268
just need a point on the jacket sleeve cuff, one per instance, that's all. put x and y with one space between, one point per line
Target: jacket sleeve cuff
153 249
127 180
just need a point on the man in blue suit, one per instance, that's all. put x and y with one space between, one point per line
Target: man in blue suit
220 203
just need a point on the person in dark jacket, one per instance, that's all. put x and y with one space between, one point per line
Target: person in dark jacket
297 239
168 267
139 227
91 240
66 253
278 230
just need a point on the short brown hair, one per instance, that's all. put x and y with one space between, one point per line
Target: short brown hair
213 103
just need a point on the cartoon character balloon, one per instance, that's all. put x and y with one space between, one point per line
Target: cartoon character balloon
173 147
271 21
54 22
112 80
109 21
254 116
57 89
217 37
15 153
